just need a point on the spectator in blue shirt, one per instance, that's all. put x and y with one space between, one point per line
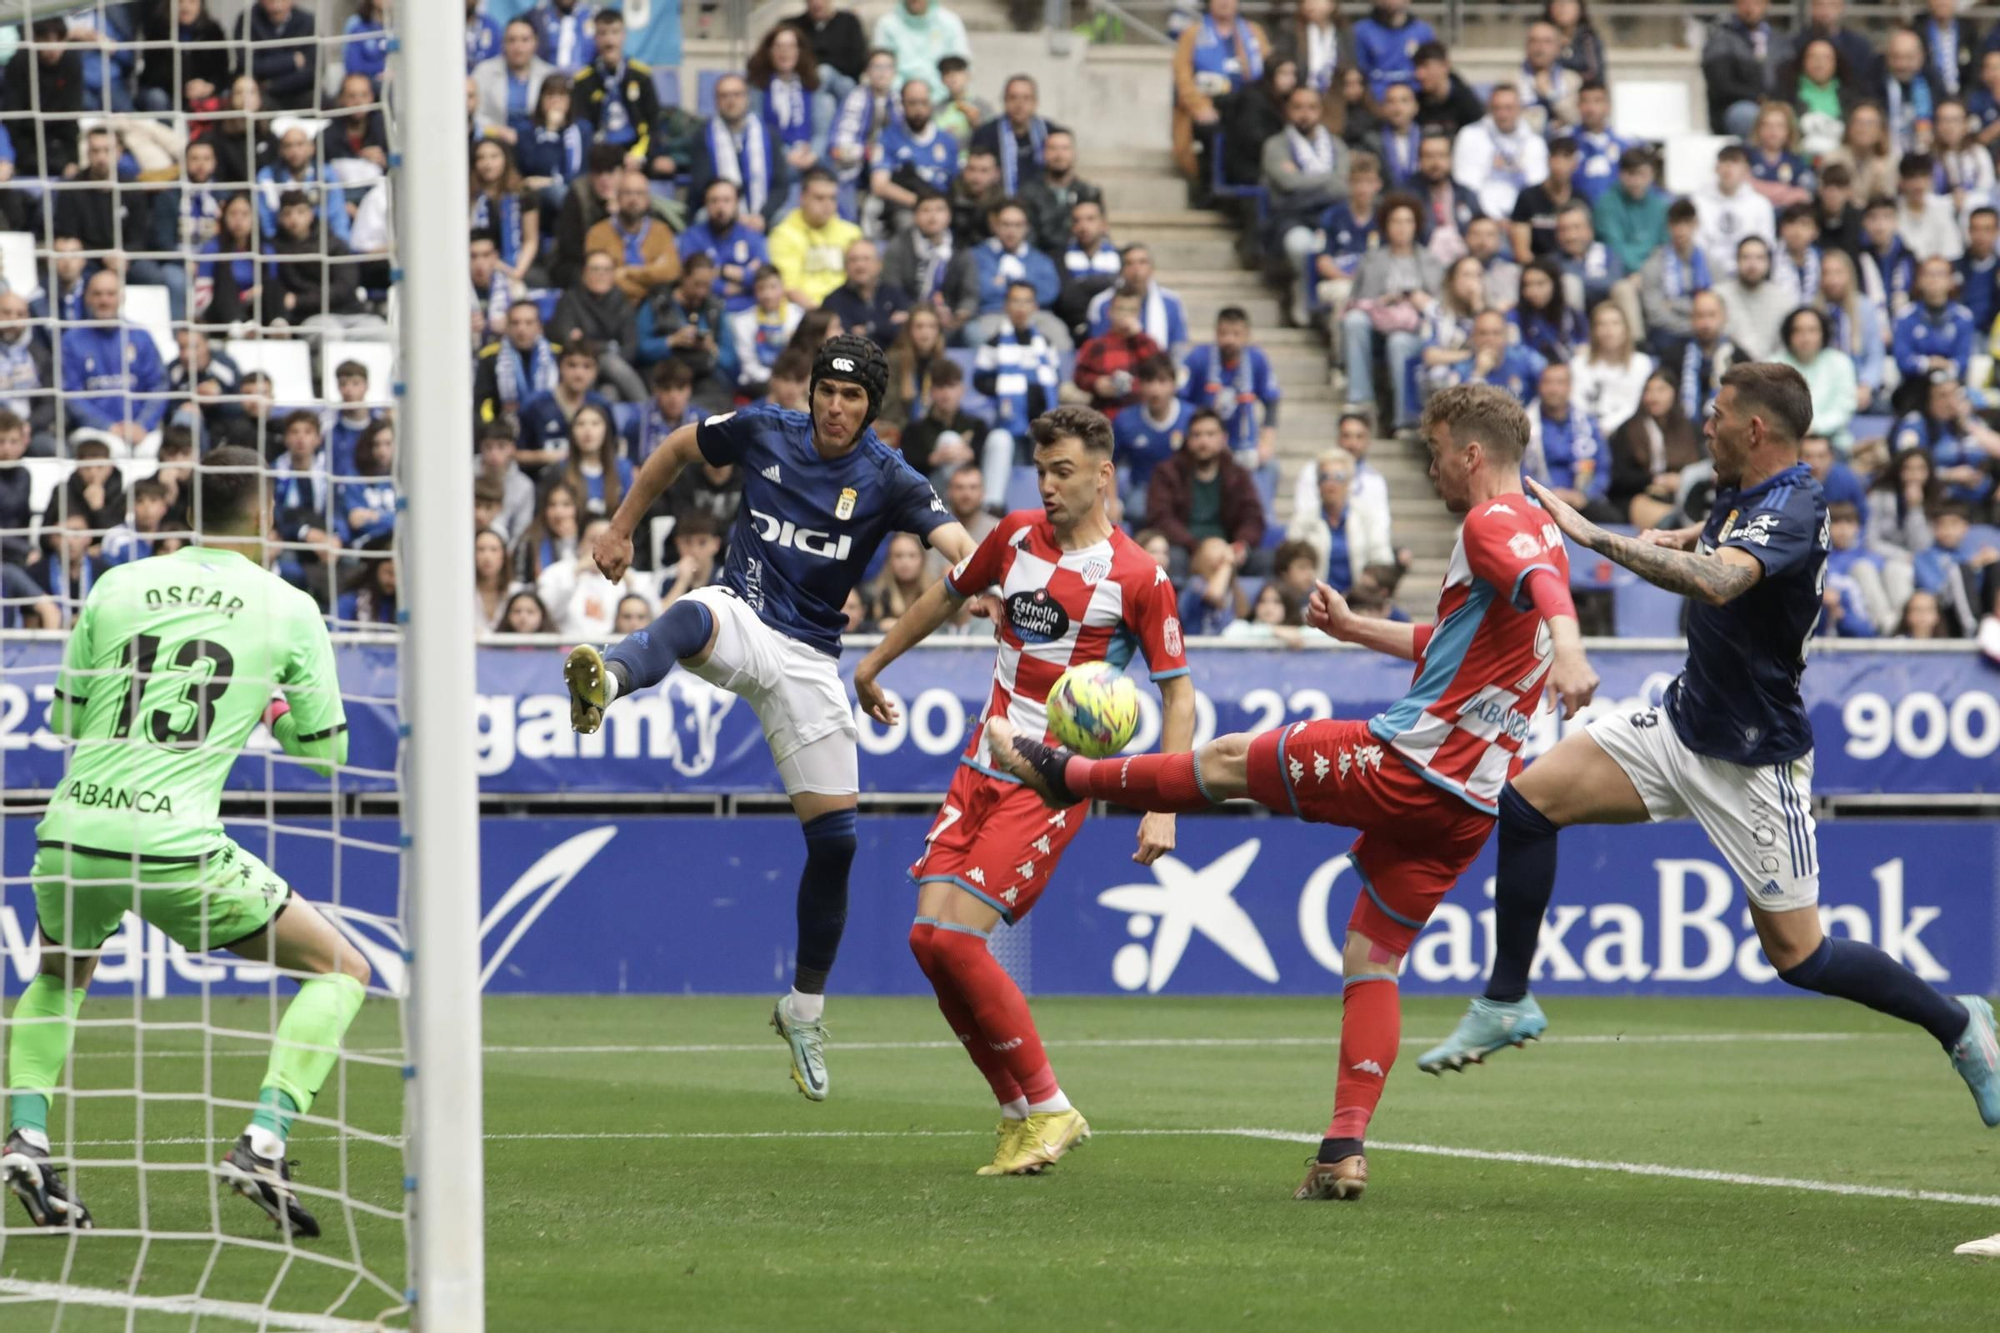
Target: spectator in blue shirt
1149 432
1936 333
568 40
1565 451
1856 606
1496 360
1347 231
1599 148
1944 569
738 251
1235 379
281 55
1962 448
867 305
545 417
366 51
1836 480
366 506
1977 270
482 34
113 380
911 154
1000 263
1385 45
296 170
1212 596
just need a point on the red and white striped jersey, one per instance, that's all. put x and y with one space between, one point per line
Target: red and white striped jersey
1098 604
1480 675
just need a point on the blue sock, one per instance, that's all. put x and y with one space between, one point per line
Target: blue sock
823 897
1526 879
1864 974
645 657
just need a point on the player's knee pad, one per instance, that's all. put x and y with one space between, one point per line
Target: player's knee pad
830 844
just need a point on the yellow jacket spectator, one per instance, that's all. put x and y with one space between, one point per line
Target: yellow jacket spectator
809 247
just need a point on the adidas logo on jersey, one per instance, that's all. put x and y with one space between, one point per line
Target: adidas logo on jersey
771 473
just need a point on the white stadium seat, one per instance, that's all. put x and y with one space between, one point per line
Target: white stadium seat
1656 110
379 357
149 308
18 268
289 364
1691 161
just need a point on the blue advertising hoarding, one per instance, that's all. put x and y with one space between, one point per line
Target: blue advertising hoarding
663 905
1885 720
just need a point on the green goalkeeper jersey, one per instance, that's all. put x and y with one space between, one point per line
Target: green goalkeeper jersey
169 668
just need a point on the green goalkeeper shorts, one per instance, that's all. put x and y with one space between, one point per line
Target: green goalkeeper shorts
212 903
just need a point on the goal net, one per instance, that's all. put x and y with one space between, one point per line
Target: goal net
198 248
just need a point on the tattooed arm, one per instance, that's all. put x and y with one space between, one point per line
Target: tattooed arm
1714 579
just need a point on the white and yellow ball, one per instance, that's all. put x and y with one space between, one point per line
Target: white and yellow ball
1094 709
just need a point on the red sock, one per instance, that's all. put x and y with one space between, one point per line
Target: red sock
1005 1027
1371 1031
1140 782
959 1014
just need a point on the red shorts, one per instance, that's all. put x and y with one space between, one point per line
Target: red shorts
997 841
1416 837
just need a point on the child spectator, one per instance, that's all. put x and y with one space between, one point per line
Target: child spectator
545 418
497 467
133 539
366 508
1165 317
635 612
1730 210
94 491
17 550
350 419
1776 170
68 571
594 468
758 336
525 615
1925 220
1676 274
959 113
1327 258
1149 432
1533 221
1950 570
1235 379
1889 267
1105 368
1277 616
672 406
1857 604
1212 597
368 597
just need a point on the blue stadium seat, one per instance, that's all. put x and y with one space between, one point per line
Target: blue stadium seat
1256 194
1641 611
546 301
625 416
667 85
704 91
1022 490
1871 427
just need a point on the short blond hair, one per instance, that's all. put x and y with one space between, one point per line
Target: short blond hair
1480 412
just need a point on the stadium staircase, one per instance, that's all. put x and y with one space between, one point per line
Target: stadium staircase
1194 254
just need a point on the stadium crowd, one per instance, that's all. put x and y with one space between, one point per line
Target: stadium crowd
213 205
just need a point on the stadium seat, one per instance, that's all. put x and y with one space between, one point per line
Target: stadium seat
289 364
1023 491
667 85
625 420
18 268
1641 611
379 357
1691 161
1656 110
704 91
147 306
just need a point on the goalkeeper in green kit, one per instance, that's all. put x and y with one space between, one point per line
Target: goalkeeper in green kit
171 664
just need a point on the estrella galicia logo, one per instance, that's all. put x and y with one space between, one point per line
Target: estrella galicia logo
1037 617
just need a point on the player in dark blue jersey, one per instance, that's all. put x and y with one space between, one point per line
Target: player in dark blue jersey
820 494
1732 747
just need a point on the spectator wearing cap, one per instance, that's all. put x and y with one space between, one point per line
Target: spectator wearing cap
1220 54
1107 366
1829 375
1731 209
1443 99
1925 219
1533 221
1388 45
1018 137
545 418
1549 90
914 154
1757 304
839 43
1600 149
735 146
1498 157
1961 447
1089 263
1020 370
1149 432
1164 316
1737 63
1052 198
866 304
1343 535
1936 333
918 34
736 249
809 247
1003 260
1234 379
1200 493
927 262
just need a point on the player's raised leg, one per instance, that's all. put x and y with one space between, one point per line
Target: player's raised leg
334 982
684 632
1574 783
1171 783
39 1036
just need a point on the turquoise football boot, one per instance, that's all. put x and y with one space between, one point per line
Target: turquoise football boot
808 1043
1488 1026
1976 1057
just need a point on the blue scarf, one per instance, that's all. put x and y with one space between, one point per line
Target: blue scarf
1213 53
507 226
1399 153
1806 274
200 215
518 379
1685 280
1010 151
17 371
1840 329
1691 376
787 112
634 241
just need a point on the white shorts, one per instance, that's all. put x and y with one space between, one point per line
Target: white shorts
1759 818
795 692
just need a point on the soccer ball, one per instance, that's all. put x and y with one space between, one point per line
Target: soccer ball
1094 709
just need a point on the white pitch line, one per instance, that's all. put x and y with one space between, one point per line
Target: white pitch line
1094 1043
1656 1170
105 1298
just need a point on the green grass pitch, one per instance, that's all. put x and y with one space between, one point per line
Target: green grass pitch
671 1178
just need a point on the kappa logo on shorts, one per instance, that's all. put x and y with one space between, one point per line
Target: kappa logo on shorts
1026 870
1060 819
1011 894
1041 844
1321 766
977 876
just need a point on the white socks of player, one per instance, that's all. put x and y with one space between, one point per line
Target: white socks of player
265 1144
34 1138
610 686
806 1008
1015 1110
1055 1103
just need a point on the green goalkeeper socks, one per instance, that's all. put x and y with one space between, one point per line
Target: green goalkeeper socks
308 1043
41 1032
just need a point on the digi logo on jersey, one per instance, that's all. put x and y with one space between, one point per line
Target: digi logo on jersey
783 532
1037 617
